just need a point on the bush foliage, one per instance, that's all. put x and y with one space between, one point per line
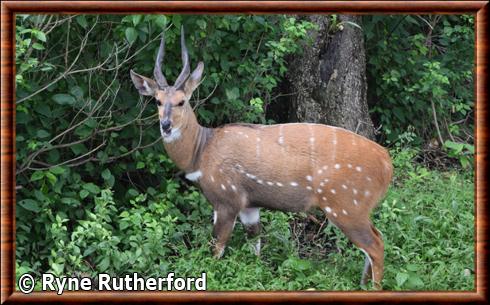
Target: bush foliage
96 192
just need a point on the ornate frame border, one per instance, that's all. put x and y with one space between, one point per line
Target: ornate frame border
10 8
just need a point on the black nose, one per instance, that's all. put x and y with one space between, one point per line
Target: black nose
166 124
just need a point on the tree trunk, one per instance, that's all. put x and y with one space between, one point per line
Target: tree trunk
327 82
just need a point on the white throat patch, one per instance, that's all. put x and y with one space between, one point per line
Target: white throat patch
174 135
194 176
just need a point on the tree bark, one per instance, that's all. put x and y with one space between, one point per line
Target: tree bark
327 82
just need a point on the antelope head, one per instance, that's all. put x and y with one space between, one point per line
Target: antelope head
172 101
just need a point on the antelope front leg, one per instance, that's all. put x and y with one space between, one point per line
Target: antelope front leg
224 222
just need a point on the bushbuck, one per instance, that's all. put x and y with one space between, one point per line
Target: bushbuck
294 167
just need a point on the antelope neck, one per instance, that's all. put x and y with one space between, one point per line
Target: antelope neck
186 151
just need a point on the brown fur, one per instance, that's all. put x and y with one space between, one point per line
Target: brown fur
287 167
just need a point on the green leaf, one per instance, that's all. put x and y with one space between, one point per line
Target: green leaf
37 176
51 178
78 149
161 21
92 188
82 21
57 268
136 19
412 267
37 46
58 170
83 194
201 23
63 99
131 35
39 35
70 201
42 134
414 282
140 165
30 205
233 93
106 174
104 264
401 278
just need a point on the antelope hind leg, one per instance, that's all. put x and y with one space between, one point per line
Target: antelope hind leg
250 218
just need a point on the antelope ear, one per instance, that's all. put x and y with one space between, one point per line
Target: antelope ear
193 81
145 85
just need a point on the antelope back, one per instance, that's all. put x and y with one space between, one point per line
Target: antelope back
294 166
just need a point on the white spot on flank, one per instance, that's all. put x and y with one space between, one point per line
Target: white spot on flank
249 216
279 184
333 191
246 135
294 183
325 180
319 191
324 167
344 211
358 168
270 183
322 183
334 214
194 176
250 176
369 179
334 142
309 178
223 187
240 133
324 198
227 131
328 209
215 217
312 140
259 181
355 202
337 166
281 137
354 191
367 193
309 188
221 170
349 165
344 186
233 188
212 178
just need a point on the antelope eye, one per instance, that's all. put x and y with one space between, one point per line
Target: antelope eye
157 102
180 104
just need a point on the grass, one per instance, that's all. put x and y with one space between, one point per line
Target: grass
427 220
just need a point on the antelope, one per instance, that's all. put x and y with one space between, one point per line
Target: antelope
293 167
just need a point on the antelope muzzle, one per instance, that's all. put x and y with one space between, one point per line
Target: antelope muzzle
166 126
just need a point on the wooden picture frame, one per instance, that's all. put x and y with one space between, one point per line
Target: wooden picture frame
10 8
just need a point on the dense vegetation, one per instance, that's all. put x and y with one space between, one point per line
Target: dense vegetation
96 192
